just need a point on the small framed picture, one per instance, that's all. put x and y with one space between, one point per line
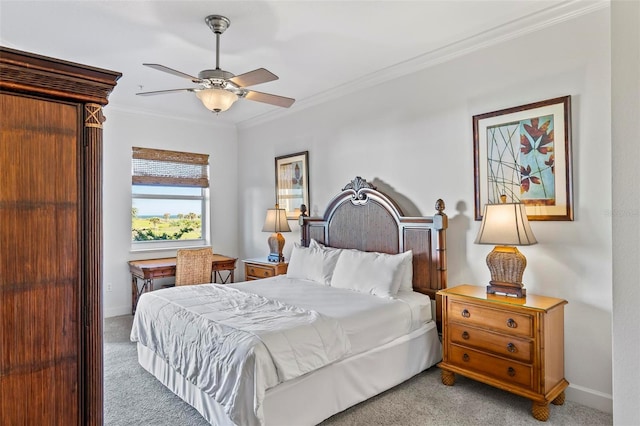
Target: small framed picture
524 153
292 182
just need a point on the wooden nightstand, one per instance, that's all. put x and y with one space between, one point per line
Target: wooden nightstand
515 344
255 269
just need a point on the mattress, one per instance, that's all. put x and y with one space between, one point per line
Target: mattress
366 321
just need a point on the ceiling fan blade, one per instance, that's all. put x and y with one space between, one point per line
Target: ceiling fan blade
174 72
267 98
162 92
254 77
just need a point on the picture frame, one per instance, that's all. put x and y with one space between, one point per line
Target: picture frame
292 182
524 153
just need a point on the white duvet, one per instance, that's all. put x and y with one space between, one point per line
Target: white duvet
368 320
236 341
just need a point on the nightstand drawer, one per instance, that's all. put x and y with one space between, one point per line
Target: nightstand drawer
506 346
507 371
260 271
512 323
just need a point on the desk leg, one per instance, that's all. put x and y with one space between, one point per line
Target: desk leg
228 279
134 293
147 285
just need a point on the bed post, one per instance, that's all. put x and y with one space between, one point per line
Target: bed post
304 231
440 223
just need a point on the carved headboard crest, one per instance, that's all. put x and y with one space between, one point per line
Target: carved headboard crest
356 185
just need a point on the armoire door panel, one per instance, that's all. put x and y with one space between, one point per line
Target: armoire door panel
40 270
39 332
41 407
41 261
44 136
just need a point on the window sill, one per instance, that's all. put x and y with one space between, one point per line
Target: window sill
151 247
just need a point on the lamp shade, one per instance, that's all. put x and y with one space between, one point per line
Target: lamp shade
217 100
276 221
505 224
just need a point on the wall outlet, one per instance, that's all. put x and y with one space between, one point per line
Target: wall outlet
109 287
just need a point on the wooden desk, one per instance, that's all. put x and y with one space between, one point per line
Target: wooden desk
149 269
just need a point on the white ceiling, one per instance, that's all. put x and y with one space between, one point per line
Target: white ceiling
319 49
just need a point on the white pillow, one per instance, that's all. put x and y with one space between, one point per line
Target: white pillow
316 244
330 258
369 272
406 275
331 255
304 263
312 263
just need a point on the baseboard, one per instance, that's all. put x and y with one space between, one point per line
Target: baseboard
590 398
117 311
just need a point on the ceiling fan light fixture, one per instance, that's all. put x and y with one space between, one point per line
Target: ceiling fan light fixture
219 89
216 100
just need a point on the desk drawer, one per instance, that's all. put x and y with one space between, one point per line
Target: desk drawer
503 321
257 272
163 272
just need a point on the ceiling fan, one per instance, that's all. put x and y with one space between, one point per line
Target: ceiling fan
219 89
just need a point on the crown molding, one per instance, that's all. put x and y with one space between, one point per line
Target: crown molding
517 28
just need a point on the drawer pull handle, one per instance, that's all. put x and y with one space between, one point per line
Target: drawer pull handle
511 371
465 313
465 335
511 323
465 357
512 348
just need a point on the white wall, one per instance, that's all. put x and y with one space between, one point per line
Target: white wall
125 129
625 94
413 138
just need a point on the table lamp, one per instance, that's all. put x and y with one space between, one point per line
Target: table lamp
506 225
276 222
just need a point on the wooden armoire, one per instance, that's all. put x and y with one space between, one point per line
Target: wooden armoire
51 240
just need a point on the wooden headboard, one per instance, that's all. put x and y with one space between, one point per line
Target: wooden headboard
363 218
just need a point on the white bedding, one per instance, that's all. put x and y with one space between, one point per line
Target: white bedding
368 320
233 344
343 323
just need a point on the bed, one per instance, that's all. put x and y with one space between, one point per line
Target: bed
354 316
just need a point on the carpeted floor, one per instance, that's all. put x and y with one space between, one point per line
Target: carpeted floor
134 397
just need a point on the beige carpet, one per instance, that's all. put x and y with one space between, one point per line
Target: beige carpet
134 397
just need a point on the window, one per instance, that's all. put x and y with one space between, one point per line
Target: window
169 195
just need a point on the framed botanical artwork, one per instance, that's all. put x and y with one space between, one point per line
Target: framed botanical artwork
524 153
292 182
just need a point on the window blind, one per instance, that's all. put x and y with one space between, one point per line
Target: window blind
162 167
